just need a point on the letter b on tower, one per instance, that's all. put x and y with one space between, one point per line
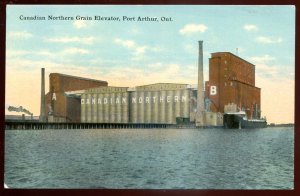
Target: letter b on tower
213 90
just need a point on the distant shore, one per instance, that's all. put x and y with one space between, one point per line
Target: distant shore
281 125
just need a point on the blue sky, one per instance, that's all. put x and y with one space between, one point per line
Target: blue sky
136 53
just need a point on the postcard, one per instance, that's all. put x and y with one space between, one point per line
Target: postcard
150 97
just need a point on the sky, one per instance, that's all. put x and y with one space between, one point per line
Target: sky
131 53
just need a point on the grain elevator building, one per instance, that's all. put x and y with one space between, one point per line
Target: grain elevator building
161 103
231 86
62 107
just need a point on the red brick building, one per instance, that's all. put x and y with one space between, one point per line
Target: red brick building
62 106
232 81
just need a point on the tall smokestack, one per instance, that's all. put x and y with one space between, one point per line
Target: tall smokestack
200 95
43 102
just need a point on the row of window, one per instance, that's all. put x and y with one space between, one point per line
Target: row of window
139 88
166 86
104 89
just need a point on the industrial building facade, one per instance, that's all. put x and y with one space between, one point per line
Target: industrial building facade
61 107
231 86
161 103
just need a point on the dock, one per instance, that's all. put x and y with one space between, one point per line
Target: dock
17 125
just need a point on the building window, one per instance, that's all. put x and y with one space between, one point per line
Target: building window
225 62
225 84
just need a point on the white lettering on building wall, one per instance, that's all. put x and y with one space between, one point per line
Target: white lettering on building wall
139 100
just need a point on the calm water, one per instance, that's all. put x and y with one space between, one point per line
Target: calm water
150 159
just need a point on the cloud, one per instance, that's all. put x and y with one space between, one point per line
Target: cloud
157 49
277 99
267 71
140 50
157 72
137 50
262 59
155 65
268 40
250 27
75 39
20 35
80 24
44 53
134 31
126 43
151 73
16 53
75 51
277 85
266 66
20 53
193 28
192 49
